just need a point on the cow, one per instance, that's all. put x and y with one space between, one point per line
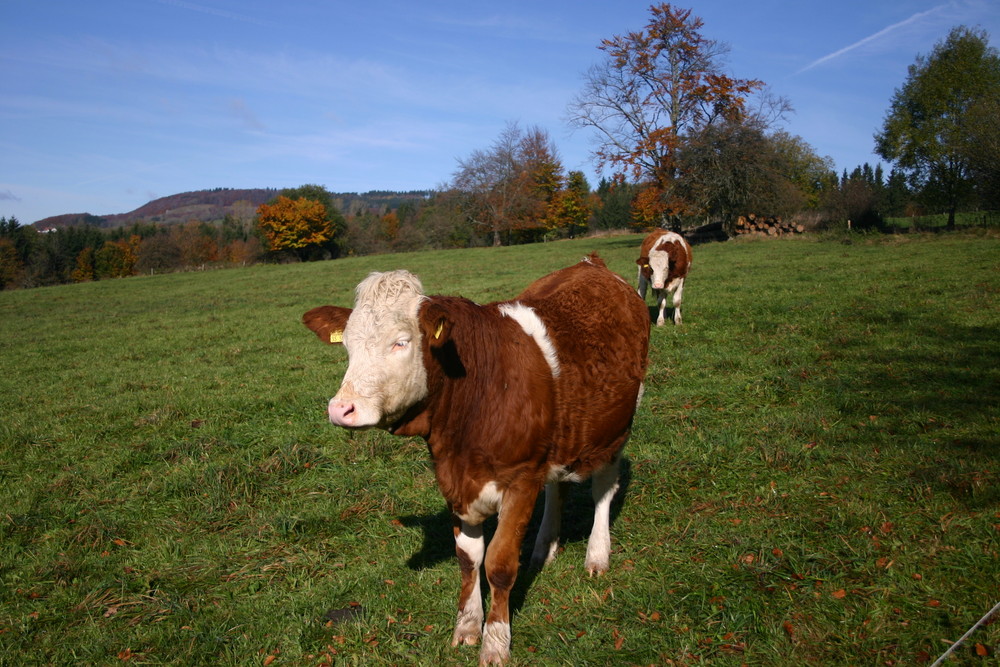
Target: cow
664 260
511 397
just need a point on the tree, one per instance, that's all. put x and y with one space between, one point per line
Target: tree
508 187
11 266
861 197
294 224
304 221
654 88
116 259
983 147
614 207
159 252
728 170
896 196
241 252
813 176
570 208
734 167
194 241
925 131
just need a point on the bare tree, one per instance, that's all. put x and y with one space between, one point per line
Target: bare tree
505 187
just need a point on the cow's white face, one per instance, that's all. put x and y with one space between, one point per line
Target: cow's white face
385 371
659 263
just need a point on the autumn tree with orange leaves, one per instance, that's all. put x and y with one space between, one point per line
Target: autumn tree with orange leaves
654 89
300 221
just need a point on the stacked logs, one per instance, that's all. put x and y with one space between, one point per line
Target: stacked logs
765 226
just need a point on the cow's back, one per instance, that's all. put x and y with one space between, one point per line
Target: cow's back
600 329
651 241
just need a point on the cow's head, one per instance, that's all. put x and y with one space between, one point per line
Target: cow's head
655 267
384 335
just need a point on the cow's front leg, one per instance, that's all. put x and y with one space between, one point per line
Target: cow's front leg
501 571
661 304
469 547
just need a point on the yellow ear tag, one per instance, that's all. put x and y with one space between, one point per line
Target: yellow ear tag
645 266
437 332
336 336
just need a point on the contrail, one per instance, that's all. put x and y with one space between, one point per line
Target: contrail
871 38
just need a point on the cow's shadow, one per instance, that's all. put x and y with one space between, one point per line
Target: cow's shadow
577 519
654 312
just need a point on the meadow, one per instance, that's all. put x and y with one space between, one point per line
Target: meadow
812 478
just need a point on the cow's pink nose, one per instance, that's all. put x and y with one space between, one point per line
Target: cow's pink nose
342 413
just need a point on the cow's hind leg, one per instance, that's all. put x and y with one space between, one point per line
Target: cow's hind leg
643 284
547 542
469 547
604 486
501 571
678 297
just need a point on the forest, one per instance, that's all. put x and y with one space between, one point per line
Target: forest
679 144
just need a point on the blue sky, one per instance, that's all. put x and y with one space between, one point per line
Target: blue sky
106 105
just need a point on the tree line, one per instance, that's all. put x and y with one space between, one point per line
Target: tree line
680 143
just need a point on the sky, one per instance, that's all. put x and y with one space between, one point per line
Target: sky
106 105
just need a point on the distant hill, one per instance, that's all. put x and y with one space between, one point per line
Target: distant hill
214 205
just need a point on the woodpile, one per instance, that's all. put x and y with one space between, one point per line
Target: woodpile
765 226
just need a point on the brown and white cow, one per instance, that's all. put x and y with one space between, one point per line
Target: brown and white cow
664 260
511 397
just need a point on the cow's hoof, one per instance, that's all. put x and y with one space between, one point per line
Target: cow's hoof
465 636
496 644
596 567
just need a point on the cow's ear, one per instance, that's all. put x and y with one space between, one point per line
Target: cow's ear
435 324
328 322
642 261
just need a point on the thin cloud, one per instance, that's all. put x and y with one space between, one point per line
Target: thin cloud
7 195
871 38
212 11
241 111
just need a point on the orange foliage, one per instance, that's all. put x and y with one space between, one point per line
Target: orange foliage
197 248
241 252
390 225
116 259
84 271
662 83
291 224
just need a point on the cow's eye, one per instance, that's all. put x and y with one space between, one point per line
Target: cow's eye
401 344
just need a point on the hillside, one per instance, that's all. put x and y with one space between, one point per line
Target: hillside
216 204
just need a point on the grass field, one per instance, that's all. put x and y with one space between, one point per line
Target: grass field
939 221
812 478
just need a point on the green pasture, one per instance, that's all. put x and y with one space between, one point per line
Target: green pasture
812 478
939 221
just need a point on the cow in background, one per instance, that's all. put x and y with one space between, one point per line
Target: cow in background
664 260
511 397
